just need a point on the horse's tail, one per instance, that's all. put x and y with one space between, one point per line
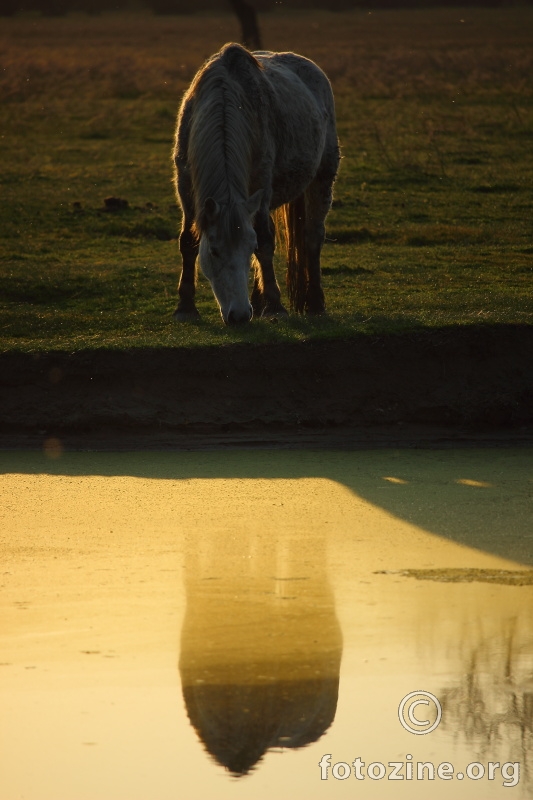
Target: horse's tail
290 223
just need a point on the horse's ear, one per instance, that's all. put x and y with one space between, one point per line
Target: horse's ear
254 202
211 209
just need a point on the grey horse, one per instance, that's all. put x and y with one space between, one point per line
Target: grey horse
256 134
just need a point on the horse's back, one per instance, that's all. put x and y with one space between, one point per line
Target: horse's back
292 70
291 114
299 88
302 111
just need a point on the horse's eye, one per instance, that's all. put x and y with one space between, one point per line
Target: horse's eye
214 252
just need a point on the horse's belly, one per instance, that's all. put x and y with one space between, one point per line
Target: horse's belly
298 156
291 182
302 118
294 172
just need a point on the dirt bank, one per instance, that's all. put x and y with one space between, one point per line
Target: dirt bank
475 378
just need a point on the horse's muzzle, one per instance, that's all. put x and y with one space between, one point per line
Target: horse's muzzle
239 318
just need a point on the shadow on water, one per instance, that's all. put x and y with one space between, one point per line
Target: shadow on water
438 491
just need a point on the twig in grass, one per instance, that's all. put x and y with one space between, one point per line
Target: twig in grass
432 141
381 145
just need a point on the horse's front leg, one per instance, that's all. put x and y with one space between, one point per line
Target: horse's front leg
266 295
186 310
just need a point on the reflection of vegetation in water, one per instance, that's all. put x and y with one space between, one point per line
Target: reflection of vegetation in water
492 705
260 648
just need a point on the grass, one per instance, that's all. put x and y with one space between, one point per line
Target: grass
432 223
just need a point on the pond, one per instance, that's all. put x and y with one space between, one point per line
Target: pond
245 624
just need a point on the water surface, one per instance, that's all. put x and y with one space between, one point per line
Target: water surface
211 624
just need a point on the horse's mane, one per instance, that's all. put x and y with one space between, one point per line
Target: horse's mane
221 135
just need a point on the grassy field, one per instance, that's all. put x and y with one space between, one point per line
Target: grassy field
432 223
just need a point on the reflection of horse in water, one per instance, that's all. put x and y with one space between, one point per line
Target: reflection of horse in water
256 132
239 722
260 651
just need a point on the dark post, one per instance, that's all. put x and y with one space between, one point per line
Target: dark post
247 15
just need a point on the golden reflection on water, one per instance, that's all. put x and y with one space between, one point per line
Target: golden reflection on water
145 593
260 646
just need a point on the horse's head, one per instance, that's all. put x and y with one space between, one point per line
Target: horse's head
227 243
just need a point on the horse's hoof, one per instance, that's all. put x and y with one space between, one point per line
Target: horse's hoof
186 316
278 312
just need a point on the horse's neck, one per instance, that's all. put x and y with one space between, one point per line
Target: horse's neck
220 143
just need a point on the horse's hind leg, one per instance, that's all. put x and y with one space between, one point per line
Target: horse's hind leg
266 296
318 196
